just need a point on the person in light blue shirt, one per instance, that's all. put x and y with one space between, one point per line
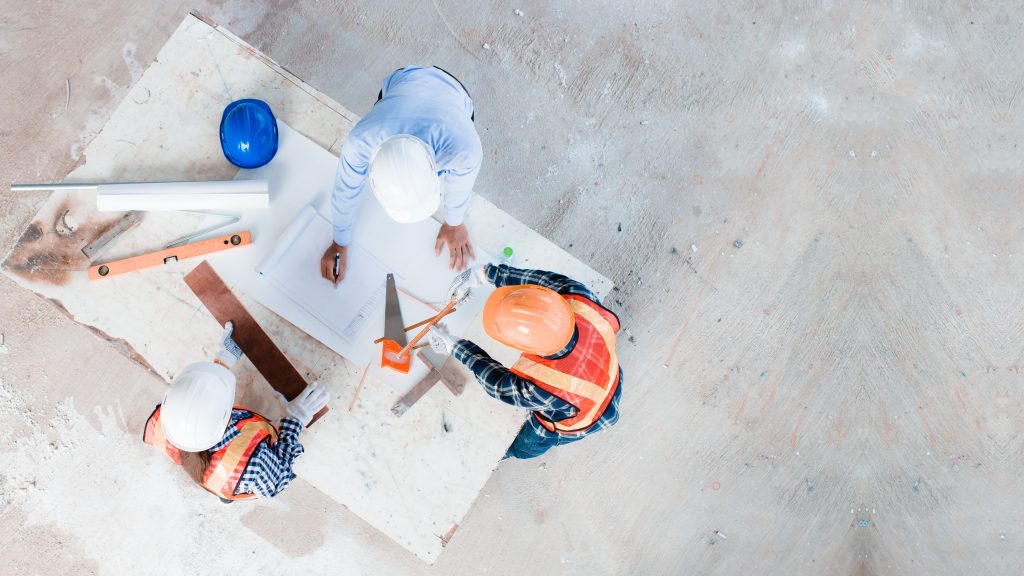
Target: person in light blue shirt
417 144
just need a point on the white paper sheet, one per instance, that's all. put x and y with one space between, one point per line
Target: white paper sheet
343 308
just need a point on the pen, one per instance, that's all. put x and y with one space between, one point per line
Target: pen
337 264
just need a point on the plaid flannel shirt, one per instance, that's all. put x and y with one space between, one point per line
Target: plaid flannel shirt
499 382
269 470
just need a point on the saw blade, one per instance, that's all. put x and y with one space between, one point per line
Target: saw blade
394 327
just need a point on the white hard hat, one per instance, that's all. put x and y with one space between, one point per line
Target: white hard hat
405 180
197 408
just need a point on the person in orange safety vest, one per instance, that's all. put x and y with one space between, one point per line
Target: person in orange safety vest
568 375
229 450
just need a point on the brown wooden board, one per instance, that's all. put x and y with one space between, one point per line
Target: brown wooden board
254 342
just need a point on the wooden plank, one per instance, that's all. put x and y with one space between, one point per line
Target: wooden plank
253 341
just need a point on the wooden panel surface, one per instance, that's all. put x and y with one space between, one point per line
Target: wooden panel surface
367 460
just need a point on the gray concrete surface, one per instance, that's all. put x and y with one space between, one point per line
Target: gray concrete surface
838 395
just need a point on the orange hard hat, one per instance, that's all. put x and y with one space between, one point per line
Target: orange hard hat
529 318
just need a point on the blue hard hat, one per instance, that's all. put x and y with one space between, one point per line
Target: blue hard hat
248 133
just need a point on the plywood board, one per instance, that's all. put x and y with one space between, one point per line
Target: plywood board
412 478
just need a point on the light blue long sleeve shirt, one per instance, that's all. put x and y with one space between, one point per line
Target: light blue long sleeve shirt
424 102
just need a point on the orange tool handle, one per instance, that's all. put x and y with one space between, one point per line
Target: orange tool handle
444 312
389 357
98 271
438 316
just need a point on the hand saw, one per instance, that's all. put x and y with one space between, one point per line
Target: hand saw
394 331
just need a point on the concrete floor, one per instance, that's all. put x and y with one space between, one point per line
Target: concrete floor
818 269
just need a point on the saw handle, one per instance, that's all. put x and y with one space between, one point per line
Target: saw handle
390 357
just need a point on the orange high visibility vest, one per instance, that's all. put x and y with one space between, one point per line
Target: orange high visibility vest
587 376
228 463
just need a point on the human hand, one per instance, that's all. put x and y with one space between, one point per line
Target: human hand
460 251
462 285
229 352
441 340
327 263
310 401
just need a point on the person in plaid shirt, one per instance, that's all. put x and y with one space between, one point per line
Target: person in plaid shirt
269 469
231 451
568 375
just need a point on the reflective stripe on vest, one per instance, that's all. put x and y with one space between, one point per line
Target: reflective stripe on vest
587 376
228 463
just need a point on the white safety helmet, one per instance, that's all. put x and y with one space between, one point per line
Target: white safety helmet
404 179
197 408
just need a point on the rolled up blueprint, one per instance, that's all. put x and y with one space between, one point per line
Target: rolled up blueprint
215 195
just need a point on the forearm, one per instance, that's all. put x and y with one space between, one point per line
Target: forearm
505 275
344 208
275 472
287 446
348 189
500 382
458 193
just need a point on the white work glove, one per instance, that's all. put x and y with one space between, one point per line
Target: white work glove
229 350
441 341
462 285
310 401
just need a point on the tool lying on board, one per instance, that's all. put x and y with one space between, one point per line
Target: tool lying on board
254 342
97 247
433 319
168 255
394 331
229 219
440 370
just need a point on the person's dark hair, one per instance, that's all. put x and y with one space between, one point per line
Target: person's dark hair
196 463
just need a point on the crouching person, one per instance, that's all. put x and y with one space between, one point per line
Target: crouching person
229 450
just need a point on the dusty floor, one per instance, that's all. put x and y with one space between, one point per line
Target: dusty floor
818 263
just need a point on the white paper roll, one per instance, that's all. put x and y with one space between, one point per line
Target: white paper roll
215 195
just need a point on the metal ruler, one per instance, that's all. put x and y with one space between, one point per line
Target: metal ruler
100 245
